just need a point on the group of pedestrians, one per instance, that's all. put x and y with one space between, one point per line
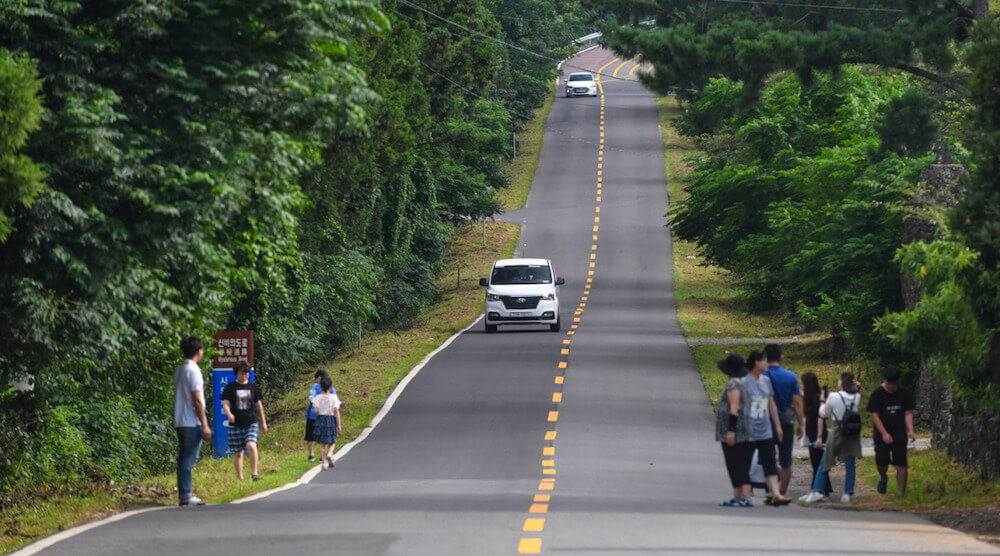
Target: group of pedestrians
242 402
761 404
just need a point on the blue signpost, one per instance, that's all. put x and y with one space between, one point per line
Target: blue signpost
220 428
230 347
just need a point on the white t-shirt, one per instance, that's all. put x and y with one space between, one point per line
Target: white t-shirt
187 379
326 404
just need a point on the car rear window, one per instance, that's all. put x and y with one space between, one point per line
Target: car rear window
521 274
581 77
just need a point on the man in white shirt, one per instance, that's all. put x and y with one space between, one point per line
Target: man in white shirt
190 420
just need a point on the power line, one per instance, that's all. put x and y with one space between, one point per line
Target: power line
817 6
514 17
498 41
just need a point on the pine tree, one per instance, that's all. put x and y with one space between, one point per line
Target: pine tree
748 41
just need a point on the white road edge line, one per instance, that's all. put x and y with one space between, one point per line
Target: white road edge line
306 477
42 544
386 407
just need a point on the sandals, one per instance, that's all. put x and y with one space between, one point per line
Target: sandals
737 503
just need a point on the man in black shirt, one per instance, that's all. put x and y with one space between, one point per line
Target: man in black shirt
243 404
891 407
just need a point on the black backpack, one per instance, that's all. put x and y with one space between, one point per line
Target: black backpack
851 424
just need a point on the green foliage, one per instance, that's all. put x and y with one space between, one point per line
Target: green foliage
945 317
20 178
957 321
173 137
908 128
691 43
785 196
285 166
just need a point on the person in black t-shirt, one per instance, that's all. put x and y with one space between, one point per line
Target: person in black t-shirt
891 407
244 405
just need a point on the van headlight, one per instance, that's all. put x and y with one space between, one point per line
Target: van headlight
492 297
549 297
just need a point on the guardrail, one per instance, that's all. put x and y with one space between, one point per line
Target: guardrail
588 38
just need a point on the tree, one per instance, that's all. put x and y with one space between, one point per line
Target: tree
749 41
173 135
957 321
796 199
20 178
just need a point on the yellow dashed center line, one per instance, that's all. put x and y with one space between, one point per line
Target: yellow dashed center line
534 524
530 546
540 505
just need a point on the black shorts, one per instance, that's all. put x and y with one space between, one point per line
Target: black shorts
891 454
310 425
786 445
765 456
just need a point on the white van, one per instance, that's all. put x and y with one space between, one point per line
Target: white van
522 291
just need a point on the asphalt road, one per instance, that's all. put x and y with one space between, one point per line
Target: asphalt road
594 440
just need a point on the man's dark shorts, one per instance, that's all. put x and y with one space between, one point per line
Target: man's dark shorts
765 456
310 424
891 454
785 446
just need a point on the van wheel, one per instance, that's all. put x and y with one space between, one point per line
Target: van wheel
554 327
491 328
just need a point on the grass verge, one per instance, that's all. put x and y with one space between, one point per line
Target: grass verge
363 378
708 307
935 482
521 168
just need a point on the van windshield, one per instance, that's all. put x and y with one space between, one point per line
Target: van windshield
521 274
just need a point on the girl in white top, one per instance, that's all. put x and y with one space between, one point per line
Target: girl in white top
837 405
327 407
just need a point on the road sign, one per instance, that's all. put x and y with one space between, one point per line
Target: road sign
230 347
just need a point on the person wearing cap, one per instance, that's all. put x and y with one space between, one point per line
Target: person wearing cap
763 414
733 430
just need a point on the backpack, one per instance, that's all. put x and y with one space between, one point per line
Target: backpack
850 425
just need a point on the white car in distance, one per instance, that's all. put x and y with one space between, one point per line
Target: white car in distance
581 83
522 291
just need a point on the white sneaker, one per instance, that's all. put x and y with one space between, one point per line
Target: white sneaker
846 498
812 497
